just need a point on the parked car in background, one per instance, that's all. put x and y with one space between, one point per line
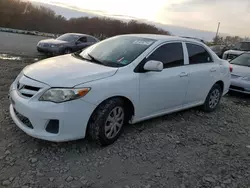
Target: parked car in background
65 44
127 78
237 50
219 49
240 80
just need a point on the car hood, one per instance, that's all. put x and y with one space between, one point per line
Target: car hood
67 71
53 41
235 52
241 71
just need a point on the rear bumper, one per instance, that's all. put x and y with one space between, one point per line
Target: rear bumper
225 92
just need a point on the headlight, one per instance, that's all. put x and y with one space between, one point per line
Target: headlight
59 95
53 46
56 45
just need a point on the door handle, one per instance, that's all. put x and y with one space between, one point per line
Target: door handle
213 69
183 74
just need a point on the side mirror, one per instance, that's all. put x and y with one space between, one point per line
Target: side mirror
153 65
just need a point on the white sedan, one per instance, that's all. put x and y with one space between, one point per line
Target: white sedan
123 79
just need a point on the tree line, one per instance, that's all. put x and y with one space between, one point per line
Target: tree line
229 40
17 14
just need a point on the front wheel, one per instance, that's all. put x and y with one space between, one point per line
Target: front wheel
106 123
213 98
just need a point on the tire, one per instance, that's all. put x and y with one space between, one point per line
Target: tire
99 122
213 98
67 51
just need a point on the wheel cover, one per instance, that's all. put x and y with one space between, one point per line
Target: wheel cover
214 98
114 122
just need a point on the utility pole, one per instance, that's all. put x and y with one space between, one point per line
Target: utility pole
216 36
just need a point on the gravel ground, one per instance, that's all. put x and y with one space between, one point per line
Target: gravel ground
183 150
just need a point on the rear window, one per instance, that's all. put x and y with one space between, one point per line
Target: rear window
198 54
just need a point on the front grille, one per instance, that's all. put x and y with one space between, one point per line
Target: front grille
23 119
45 45
27 90
237 88
31 88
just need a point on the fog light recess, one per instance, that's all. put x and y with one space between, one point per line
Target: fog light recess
53 126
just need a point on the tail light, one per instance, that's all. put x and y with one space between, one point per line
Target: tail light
230 68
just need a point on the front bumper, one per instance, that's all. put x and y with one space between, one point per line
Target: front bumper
73 117
240 85
49 50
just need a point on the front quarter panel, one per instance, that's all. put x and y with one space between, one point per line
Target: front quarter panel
124 83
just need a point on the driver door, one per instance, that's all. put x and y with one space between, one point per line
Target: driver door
81 43
166 90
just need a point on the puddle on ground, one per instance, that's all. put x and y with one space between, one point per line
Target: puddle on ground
10 57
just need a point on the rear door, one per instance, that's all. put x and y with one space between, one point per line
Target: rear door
203 72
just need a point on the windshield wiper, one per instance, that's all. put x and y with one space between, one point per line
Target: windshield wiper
77 55
95 60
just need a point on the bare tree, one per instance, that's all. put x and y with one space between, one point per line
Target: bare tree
23 15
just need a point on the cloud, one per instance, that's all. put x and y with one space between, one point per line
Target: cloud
234 15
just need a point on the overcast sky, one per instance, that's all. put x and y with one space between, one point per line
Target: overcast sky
234 15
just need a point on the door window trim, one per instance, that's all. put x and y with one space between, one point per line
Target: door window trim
138 67
194 43
90 37
83 37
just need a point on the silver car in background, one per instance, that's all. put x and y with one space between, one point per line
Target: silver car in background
65 44
240 77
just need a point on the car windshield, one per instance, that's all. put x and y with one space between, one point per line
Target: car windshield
117 51
68 37
243 60
244 46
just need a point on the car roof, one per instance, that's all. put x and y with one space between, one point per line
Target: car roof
79 34
163 37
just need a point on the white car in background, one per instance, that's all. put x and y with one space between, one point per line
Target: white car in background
127 78
239 49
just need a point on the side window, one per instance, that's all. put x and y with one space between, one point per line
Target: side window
198 54
91 39
83 39
171 55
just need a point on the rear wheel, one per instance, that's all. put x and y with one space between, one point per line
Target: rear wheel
106 123
213 98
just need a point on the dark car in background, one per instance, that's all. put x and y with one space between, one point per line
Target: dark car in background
65 44
220 49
